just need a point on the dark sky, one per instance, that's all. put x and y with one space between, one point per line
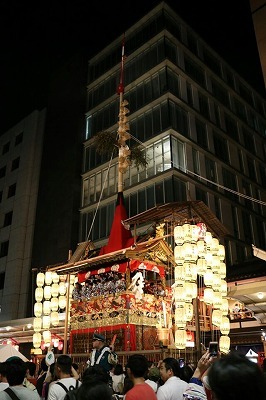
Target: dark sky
37 37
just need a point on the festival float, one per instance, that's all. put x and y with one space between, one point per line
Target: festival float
166 288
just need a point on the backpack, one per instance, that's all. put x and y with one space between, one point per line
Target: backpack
70 392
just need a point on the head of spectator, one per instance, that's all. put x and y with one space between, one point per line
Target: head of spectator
118 369
3 368
44 366
235 377
63 366
31 369
95 373
94 390
137 366
169 367
15 371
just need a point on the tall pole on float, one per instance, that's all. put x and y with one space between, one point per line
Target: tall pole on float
123 126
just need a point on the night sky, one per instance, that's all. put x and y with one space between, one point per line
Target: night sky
38 37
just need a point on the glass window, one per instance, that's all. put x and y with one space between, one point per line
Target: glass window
246 187
235 221
251 168
247 227
220 147
248 140
220 93
6 148
8 218
204 106
194 70
4 249
210 172
201 134
231 127
2 280
11 190
201 195
196 164
217 205
2 172
15 163
230 182
19 138
178 154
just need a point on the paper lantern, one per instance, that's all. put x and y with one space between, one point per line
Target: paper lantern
54 304
217 300
47 337
187 233
178 255
189 311
208 239
46 322
40 279
223 288
224 344
179 293
201 266
55 277
36 340
222 270
46 307
54 318
72 279
62 288
60 346
180 317
62 302
208 296
37 324
54 289
216 282
180 339
221 252
38 309
208 277
217 317
225 326
38 294
179 235
47 292
48 277
224 307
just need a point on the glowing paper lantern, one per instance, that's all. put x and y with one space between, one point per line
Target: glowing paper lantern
46 321
216 317
54 318
40 279
47 337
62 288
54 304
224 344
37 324
48 277
62 302
36 340
38 294
179 235
55 277
38 309
54 289
47 292
208 296
46 307
180 339
225 326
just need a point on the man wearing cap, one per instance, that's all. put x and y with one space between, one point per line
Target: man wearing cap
101 354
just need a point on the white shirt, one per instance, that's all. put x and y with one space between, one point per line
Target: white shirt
152 384
22 393
172 389
56 392
3 386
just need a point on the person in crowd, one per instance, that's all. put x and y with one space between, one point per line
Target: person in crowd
137 369
95 372
101 353
235 377
42 376
118 378
153 383
30 373
49 379
3 380
263 366
173 387
66 382
94 390
15 374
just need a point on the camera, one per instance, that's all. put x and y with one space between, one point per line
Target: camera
213 349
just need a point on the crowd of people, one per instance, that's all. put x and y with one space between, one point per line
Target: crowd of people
225 377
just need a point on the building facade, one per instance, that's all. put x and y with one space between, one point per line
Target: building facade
21 151
202 127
